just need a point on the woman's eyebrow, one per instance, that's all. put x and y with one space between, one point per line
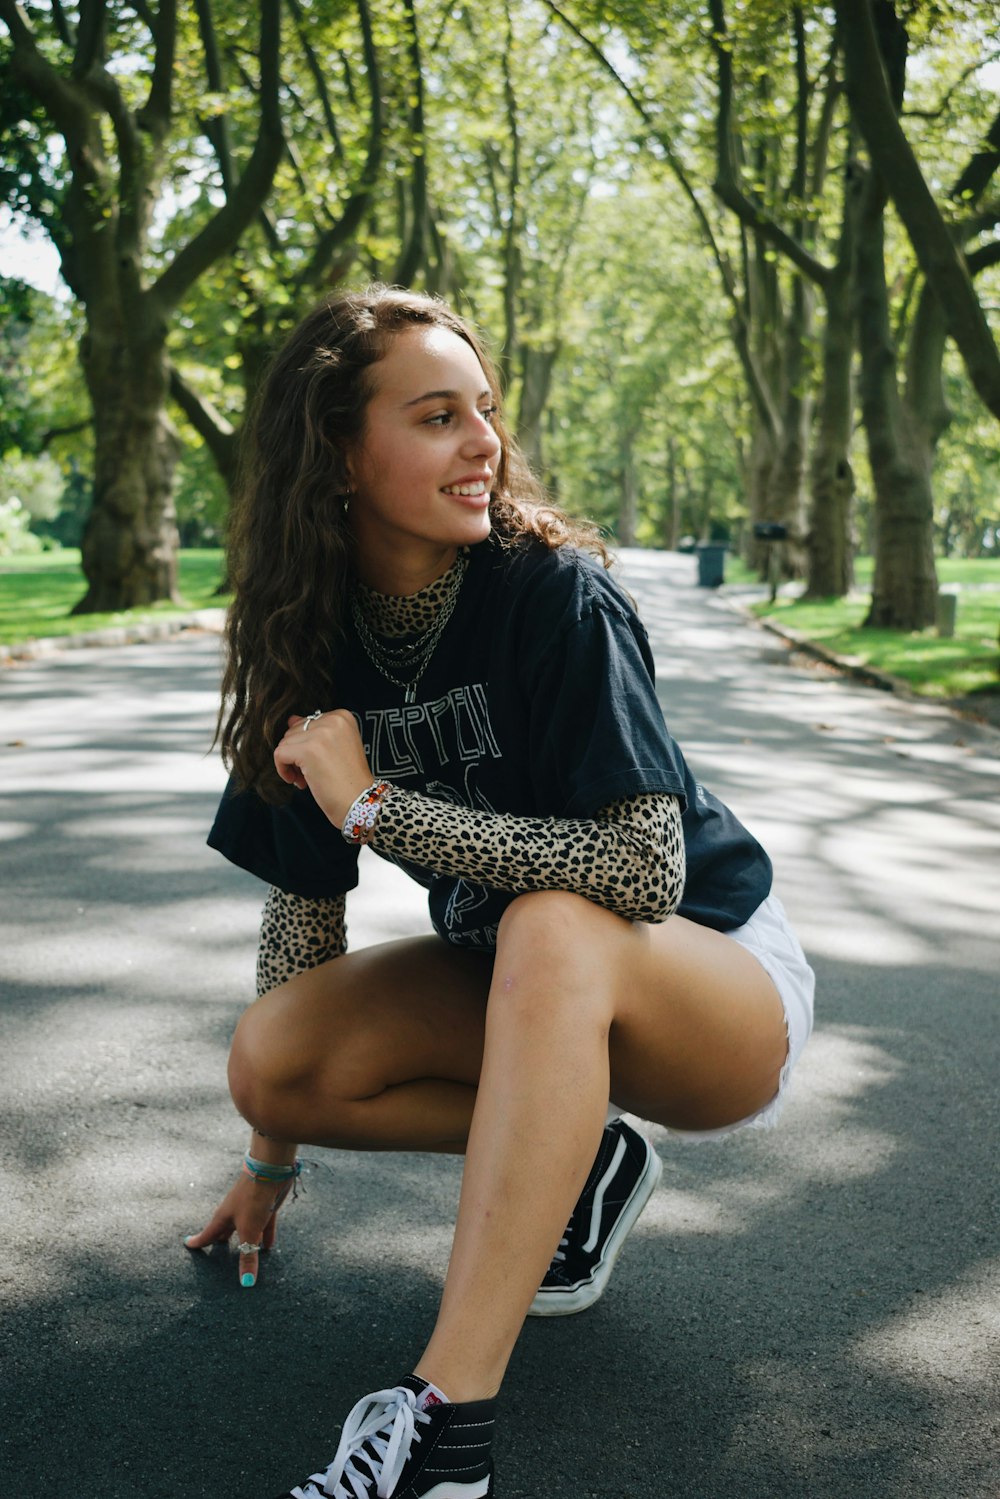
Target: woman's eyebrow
444 395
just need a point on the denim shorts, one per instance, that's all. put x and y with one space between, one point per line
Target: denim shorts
769 936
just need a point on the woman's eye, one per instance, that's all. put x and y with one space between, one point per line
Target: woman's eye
447 418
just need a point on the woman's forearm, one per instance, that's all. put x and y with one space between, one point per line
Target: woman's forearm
629 858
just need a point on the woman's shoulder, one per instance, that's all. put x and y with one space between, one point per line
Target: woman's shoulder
566 581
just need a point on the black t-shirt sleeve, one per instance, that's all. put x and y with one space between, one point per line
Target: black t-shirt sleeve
293 846
596 728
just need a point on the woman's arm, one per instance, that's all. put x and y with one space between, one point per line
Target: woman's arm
298 933
629 858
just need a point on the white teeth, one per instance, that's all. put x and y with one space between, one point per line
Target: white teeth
466 489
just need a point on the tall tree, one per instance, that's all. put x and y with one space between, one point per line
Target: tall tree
105 82
528 172
869 28
307 239
785 462
905 418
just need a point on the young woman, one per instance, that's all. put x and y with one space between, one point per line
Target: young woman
426 657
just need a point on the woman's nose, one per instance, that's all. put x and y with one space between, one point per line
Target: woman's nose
482 438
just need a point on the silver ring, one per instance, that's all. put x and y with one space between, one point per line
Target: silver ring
249 1248
312 719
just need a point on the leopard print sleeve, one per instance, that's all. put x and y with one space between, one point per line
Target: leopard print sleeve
297 933
629 858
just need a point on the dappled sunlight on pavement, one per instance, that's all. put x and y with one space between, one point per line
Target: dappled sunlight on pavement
881 814
814 1306
918 1344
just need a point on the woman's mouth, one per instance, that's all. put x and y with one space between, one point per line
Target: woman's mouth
477 487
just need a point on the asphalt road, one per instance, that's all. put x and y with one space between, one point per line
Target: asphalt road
814 1312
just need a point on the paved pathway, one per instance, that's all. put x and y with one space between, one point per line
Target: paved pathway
811 1313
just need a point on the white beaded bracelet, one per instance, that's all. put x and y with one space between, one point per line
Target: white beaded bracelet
362 815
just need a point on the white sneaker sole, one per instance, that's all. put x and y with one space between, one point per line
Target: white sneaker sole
566 1303
481 1489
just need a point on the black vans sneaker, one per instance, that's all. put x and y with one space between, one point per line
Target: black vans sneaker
619 1186
408 1443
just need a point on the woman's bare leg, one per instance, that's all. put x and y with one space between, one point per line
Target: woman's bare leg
679 1024
379 1049
415 1046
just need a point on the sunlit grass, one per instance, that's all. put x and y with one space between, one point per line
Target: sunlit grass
38 591
967 663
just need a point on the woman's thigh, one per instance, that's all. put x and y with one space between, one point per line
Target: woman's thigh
700 1036
697 1035
372 1019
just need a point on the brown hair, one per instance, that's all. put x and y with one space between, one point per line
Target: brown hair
289 540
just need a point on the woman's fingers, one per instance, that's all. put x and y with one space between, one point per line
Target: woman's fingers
216 1231
249 1262
256 1226
250 1212
327 755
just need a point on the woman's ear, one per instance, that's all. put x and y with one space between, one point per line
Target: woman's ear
343 486
349 466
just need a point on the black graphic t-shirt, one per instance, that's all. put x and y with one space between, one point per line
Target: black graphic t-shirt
538 701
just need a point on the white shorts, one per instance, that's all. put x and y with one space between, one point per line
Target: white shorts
769 936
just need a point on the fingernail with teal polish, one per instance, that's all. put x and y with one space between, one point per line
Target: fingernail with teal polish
247 1279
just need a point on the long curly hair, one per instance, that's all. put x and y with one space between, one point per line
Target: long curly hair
289 538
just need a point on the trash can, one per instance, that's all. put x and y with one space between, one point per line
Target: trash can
711 563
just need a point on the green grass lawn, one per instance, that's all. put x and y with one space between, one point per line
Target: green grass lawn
38 591
966 664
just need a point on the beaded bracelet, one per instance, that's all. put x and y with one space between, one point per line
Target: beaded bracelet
362 815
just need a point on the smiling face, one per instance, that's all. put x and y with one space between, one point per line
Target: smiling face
422 471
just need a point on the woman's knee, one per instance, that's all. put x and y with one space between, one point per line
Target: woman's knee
552 925
262 1064
543 909
286 1053
556 941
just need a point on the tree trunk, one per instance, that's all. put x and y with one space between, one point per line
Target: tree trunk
829 548
671 528
628 510
787 487
873 38
904 593
114 160
924 396
768 432
759 469
536 382
130 541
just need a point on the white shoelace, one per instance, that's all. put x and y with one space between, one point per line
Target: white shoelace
387 1421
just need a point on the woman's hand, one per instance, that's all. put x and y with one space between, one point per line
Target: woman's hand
329 758
250 1210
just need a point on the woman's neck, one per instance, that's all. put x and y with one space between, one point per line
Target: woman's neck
400 574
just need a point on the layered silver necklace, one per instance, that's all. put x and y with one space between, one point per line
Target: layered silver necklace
412 656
